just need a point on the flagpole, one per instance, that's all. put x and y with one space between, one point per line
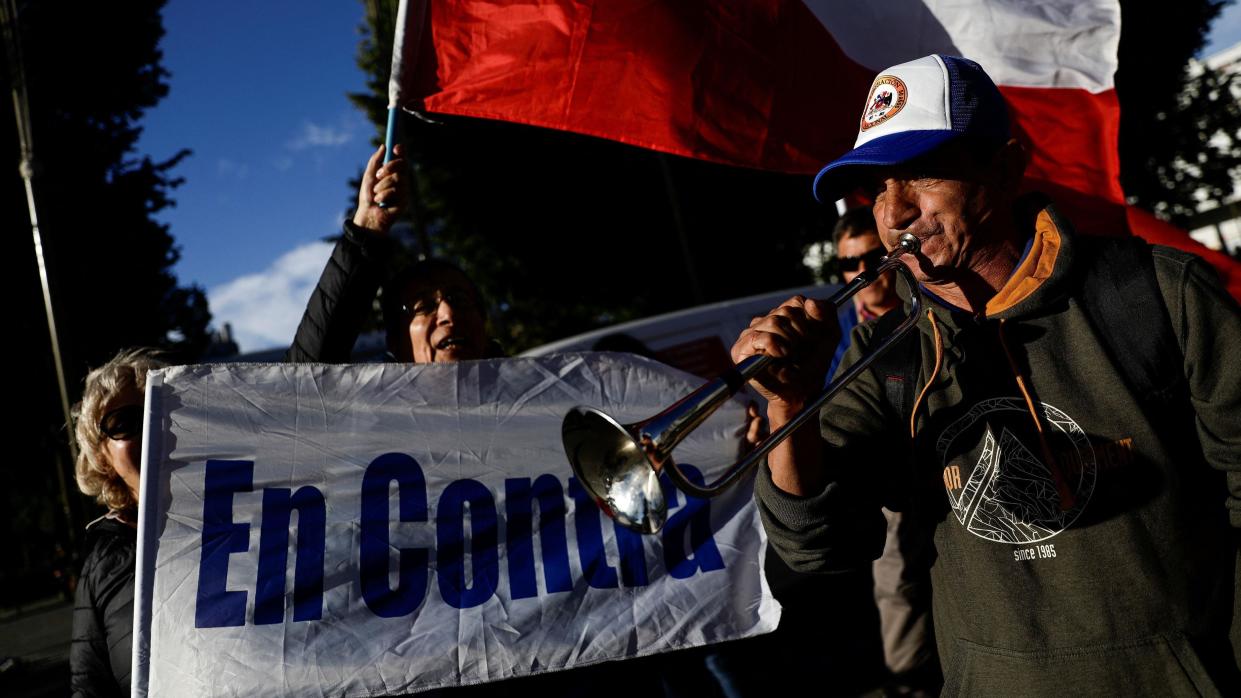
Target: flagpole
390 133
404 54
396 75
389 141
21 109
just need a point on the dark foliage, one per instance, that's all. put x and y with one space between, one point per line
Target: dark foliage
91 70
1168 117
1204 137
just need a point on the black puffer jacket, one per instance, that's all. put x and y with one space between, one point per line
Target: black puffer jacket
103 612
342 299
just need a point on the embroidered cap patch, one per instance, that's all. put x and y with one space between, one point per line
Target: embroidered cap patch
887 96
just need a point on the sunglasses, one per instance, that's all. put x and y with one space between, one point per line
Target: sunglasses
870 259
123 423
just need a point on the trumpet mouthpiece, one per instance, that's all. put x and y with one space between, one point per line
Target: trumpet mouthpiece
907 244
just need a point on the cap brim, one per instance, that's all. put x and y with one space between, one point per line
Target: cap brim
839 177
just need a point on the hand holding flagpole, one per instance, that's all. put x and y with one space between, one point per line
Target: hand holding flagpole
403 53
384 195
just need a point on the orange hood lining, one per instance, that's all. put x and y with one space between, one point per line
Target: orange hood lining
1034 269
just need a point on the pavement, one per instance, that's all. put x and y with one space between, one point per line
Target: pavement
34 649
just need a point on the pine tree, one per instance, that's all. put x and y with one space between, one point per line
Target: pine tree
90 70
1180 132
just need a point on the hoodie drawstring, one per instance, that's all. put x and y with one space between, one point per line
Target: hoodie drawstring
939 362
1067 497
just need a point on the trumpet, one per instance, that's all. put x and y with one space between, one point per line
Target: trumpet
620 464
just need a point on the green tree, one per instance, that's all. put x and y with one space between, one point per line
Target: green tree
91 70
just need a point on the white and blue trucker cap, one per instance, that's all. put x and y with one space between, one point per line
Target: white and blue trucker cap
914 108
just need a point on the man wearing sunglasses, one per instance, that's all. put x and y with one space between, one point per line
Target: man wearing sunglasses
857 249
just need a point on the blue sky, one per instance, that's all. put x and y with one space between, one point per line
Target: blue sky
1225 32
258 93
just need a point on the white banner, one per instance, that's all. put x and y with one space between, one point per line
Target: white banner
381 529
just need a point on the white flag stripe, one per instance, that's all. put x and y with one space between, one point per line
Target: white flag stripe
1021 43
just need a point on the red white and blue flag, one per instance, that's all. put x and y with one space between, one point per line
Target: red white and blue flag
779 84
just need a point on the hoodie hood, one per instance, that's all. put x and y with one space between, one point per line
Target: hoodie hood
1043 276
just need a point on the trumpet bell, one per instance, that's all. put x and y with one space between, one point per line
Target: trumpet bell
620 465
612 465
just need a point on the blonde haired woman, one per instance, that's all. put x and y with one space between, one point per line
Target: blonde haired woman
108 427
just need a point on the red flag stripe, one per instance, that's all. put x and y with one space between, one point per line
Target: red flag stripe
759 85
748 83
751 84
1071 137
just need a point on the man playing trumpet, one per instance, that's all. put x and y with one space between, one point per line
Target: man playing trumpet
1071 434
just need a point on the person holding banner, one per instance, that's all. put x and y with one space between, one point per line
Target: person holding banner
434 313
108 428
432 310
1072 442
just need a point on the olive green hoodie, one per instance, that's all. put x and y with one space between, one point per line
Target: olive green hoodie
1083 545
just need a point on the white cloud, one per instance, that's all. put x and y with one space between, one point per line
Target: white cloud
225 167
264 308
316 136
